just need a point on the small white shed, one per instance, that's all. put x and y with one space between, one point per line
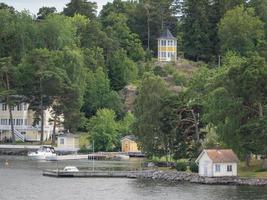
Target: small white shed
217 163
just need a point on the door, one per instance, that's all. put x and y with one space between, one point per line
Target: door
206 165
205 170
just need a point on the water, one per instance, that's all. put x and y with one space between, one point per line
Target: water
23 180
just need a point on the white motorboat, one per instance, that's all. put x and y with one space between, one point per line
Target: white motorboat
43 153
70 169
122 157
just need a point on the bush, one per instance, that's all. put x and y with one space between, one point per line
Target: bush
193 167
181 166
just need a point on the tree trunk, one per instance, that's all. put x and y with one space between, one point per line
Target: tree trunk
148 33
10 111
11 122
42 113
54 131
264 164
260 110
248 159
196 125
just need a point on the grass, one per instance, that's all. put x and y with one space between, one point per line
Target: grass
254 171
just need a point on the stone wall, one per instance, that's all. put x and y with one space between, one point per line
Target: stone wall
174 176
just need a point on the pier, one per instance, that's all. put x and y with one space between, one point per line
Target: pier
95 174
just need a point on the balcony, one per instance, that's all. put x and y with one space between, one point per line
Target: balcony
23 128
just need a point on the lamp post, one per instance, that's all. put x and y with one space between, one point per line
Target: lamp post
93 156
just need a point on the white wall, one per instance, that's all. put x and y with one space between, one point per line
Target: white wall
223 169
205 162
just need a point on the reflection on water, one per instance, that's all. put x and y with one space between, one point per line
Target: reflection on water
22 180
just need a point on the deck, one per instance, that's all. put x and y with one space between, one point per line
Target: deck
95 174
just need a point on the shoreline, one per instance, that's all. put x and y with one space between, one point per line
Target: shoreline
175 177
163 176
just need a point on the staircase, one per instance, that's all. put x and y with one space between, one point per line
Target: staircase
19 135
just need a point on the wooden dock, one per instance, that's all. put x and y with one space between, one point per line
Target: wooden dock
94 174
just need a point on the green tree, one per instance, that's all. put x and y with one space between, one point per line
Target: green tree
147 112
235 103
122 70
196 29
56 32
7 7
103 130
98 94
240 31
82 7
18 34
41 82
118 30
126 124
45 11
8 89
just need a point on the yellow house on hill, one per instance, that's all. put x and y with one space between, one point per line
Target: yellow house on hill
167 47
128 144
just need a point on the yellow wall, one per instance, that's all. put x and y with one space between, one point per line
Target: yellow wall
170 49
129 146
69 142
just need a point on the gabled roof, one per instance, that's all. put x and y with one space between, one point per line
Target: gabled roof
129 137
166 34
220 155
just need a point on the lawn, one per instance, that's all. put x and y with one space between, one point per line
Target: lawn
254 171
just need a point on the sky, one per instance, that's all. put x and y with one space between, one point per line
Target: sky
34 5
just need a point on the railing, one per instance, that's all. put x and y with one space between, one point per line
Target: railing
19 135
25 128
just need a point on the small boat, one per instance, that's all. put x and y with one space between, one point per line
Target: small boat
122 157
42 153
70 169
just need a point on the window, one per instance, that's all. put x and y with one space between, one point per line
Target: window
9 121
163 54
163 42
217 168
25 106
169 54
19 107
19 121
25 122
61 140
4 107
170 43
229 168
4 122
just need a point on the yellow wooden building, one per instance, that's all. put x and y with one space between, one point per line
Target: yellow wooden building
167 47
68 142
128 144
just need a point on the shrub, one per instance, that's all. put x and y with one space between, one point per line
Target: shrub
181 166
193 167
159 71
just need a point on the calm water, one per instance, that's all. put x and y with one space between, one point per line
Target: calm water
22 180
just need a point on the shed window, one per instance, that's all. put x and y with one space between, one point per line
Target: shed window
61 140
4 106
229 168
217 168
19 107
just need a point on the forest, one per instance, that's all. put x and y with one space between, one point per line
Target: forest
78 61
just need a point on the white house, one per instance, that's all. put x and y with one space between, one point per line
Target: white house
23 118
217 162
